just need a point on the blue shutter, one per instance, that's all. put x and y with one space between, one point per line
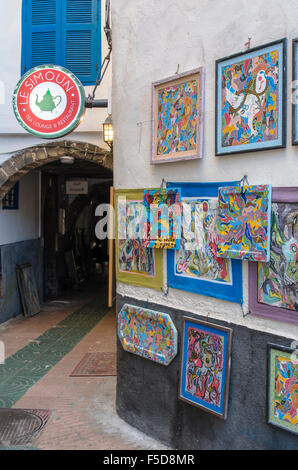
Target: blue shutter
63 32
81 38
41 33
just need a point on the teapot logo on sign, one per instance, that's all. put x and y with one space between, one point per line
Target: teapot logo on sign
49 101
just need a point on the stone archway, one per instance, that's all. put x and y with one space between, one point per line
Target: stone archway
14 165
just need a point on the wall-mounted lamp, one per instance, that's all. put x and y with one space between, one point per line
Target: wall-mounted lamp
108 131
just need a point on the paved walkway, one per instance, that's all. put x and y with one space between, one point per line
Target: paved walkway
83 408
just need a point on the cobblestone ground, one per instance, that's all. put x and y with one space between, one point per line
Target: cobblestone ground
83 408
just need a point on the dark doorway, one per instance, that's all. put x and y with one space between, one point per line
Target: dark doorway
72 254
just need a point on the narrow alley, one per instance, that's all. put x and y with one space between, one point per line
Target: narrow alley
77 412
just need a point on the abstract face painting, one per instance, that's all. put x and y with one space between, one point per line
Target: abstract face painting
273 286
177 117
135 263
278 279
243 225
250 100
205 366
283 387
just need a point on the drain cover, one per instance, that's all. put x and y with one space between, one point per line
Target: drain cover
21 426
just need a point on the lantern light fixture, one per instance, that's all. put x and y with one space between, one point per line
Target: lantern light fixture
108 131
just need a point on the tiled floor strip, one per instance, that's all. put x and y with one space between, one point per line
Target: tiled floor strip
24 368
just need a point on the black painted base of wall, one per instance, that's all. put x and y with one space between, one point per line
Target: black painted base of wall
147 395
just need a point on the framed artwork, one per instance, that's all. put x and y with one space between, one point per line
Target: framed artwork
243 223
135 264
251 100
147 333
295 94
282 389
273 286
163 208
177 117
205 366
195 267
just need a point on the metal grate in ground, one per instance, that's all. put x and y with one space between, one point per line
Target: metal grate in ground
20 427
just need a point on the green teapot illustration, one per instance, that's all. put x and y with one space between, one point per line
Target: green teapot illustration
48 102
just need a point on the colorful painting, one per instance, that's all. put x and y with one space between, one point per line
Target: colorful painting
197 256
251 100
147 333
135 263
163 207
273 286
244 214
178 117
195 267
278 279
283 387
205 366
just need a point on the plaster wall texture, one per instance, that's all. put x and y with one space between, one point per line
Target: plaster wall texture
152 40
22 224
10 74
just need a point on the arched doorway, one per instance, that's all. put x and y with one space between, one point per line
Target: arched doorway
66 250
16 164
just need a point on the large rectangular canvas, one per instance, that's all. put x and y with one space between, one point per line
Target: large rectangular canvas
135 264
243 227
273 286
163 207
251 100
282 392
195 267
205 366
177 117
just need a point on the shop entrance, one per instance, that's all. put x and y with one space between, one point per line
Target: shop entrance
72 254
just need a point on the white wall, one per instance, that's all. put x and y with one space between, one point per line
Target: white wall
151 39
22 224
10 74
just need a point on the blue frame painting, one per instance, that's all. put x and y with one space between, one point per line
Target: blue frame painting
193 271
251 99
205 366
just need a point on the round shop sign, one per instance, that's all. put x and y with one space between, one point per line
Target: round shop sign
49 101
